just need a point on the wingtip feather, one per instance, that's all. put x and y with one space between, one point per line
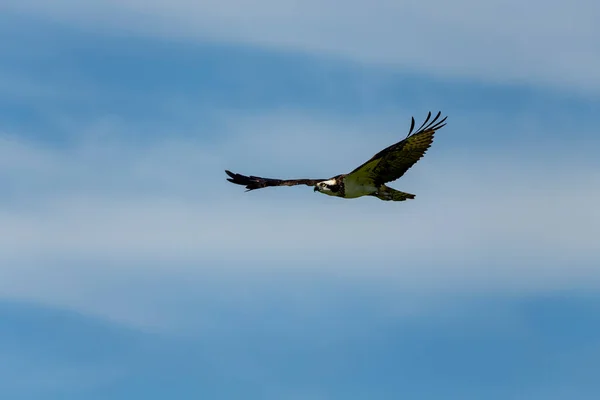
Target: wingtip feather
428 125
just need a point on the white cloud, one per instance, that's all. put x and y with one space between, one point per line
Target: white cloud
101 226
551 42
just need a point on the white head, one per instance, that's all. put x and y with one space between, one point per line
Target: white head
329 187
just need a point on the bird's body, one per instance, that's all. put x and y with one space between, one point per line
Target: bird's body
369 178
353 189
347 188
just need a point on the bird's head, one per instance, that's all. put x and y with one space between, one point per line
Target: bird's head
330 187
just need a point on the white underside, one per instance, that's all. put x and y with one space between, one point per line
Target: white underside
353 189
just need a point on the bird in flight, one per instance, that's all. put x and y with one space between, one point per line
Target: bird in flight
368 179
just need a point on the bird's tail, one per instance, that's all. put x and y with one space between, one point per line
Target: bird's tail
388 194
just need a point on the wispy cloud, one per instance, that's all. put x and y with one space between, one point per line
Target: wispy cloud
114 202
551 43
479 221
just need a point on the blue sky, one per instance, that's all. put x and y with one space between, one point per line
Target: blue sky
129 266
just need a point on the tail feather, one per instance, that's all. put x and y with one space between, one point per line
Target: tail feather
388 194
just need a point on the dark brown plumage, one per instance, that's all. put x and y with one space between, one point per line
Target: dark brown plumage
393 161
255 182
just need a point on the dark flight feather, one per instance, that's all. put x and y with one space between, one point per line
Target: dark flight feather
256 182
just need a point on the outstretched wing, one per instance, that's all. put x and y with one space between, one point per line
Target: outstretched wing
392 162
256 182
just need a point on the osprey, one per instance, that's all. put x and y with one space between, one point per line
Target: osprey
368 179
